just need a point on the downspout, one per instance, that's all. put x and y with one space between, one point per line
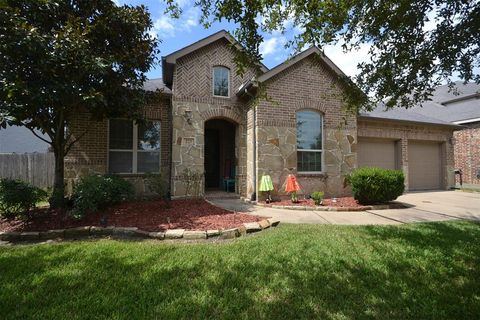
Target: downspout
254 162
170 119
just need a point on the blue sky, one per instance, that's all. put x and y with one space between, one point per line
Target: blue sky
178 33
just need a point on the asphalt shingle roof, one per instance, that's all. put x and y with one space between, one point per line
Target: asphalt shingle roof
446 106
156 84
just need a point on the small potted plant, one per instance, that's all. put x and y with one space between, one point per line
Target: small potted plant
317 197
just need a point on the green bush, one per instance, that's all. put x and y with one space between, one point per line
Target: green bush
376 185
18 197
317 197
92 193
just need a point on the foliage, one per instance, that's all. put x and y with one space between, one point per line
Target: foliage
413 45
62 58
376 185
294 271
157 184
192 180
317 197
92 193
18 197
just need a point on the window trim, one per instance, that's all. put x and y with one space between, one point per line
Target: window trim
213 82
134 149
322 153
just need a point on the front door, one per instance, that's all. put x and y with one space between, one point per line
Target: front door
212 158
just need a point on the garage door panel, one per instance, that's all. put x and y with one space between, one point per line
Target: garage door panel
377 153
424 165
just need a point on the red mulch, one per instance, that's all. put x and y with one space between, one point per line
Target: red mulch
145 215
341 202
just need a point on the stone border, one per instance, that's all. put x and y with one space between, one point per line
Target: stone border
325 208
123 232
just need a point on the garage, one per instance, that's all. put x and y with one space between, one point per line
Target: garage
377 153
424 165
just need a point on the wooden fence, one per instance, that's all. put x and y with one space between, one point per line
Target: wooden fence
36 168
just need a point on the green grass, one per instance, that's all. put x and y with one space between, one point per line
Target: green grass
422 271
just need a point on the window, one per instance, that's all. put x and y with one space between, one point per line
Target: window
134 148
221 85
309 141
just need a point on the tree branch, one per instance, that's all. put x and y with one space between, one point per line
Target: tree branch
37 135
70 145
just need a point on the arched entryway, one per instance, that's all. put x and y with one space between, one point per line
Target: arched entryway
219 157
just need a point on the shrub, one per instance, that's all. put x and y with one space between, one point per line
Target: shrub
376 185
18 197
317 197
92 193
157 184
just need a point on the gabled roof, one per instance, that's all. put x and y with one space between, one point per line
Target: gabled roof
297 58
169 61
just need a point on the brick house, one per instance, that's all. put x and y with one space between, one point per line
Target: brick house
213 121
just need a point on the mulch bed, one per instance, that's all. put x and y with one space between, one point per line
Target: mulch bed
151 215
341 202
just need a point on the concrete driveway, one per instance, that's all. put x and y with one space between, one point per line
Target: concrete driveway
422 207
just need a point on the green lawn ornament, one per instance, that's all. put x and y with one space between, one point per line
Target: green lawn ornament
266 185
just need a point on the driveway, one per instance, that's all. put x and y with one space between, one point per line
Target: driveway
422 207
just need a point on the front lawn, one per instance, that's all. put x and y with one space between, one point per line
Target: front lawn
422 271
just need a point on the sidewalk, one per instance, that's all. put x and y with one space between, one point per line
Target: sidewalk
425 207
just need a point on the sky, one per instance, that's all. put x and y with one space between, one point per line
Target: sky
178 33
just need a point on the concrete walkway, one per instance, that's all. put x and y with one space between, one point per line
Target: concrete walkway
422 207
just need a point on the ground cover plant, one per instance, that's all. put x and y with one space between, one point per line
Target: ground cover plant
416 271
17 198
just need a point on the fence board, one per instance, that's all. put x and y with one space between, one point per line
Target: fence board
36 168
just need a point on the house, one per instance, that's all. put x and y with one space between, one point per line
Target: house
212 120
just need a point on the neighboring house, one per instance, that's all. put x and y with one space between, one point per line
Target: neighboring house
458 105
211 120
15 139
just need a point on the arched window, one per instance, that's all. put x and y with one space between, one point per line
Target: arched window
221 81
309 141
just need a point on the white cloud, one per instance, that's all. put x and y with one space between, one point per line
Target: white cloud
272 45
348 61
163 27
168 27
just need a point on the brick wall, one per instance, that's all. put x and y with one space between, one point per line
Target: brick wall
90 154
193 93
308 84
467 152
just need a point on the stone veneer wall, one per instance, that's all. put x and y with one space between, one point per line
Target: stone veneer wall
193 95
403 133
309 84
467 152
90 154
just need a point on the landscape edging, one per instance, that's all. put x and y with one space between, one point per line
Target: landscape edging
133 232
327 208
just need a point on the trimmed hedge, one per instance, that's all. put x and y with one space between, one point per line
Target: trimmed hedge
92 193
376 185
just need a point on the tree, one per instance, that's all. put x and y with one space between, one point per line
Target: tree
60 57
414 45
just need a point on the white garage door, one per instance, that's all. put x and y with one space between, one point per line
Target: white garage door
424 165
377 153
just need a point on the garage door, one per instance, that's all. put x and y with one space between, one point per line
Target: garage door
377 153
424 165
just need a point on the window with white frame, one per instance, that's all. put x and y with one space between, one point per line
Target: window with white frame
221 81
309 141
134 148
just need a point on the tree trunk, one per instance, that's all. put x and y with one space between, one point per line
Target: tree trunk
57 199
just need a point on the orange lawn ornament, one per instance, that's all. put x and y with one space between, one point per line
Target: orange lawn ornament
292 187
